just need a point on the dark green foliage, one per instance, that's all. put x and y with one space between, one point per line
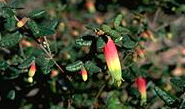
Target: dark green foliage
166 97
74 66
63 36
106 28
127 42
10 23
37 13
45 31
10 40
3 65
11 95
45 64
80 42
178 82
117 21
182 105
6 11
32 25
113 102
27 62
91 67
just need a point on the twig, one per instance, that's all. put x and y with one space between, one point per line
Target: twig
156 16
5 50
99 92
51 57
54 61
48 54
47 44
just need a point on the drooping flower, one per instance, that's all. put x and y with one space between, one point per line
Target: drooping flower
84 74
148 34
32 70
141 85
90 6
141 53
113 62
22 22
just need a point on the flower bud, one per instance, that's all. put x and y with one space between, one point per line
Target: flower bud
84 74
32 70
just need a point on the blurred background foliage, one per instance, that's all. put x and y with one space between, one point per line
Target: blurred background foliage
61 37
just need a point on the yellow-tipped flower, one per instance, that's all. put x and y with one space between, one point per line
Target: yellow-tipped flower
90 6
141 84
84 74
141 53
113 62
32 70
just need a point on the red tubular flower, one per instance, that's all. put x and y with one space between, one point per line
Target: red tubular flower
113 62
32 70
84 74
141 84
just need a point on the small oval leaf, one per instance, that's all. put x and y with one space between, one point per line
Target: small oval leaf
74 66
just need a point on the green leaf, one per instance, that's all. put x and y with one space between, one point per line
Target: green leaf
13 73
122 30
39 31
3 65
177 81
45 31
6 11
100 44
102 57
134 92
27 62
16 59
53 24
127 42
106 28
182 105
127 76
113 101
32 25
10 23
11 95
91 67
80 42
117 40
166 97
74 66
37 13
10 40
114 34
15 3
45 64
117 21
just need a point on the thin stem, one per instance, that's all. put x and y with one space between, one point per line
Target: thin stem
48 54
99 92
156 16
47 45
51 57
22 52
